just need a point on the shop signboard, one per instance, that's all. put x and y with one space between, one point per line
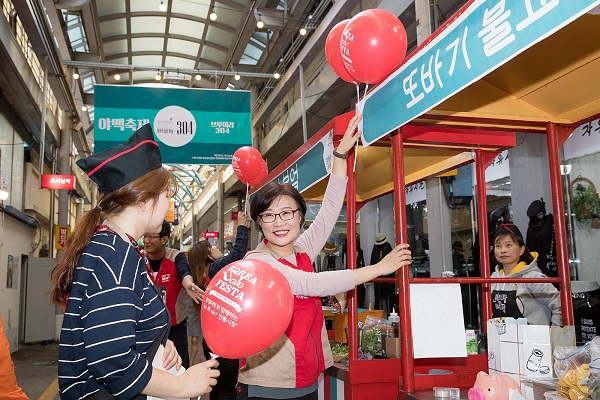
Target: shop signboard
61 234
192 126
485 36
64 182
312 167
583 141
211 235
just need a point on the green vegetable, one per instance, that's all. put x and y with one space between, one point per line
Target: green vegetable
472 346
339 349
371 340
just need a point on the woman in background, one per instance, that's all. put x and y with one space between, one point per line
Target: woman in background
205 261
538 302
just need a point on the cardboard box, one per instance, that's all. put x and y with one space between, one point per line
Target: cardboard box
520 350
392 347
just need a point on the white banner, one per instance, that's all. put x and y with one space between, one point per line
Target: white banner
584 140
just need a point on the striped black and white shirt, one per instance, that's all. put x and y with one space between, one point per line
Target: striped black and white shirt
113 316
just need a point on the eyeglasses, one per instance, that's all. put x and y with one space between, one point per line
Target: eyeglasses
151 236
284 216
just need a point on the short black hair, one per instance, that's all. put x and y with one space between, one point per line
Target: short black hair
268 193
166 229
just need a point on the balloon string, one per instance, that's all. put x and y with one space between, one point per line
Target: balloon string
356 145
246 202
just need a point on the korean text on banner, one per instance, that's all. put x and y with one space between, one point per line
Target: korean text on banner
192 126
482 38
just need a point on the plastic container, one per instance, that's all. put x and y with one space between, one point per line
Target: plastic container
446 392
394 319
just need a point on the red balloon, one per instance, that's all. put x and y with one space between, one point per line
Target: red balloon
373 45
247 306
246 163
332 51
264 171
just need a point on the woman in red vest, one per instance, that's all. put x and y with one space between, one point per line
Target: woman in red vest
291 367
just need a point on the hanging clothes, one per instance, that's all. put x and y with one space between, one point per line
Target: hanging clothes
383 291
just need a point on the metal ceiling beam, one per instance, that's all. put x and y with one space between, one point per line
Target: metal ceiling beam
194 176
129 67
216 24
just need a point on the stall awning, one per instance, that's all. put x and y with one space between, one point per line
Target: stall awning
429 151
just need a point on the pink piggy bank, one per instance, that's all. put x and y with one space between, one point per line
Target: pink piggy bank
492 387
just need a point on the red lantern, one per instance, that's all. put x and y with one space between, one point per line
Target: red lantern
246 163
373 45
332 51
247 306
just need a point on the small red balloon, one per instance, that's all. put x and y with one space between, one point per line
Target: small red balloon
264 171
332 51
246 163
247 306
373 45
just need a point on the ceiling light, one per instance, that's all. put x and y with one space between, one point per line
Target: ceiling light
84 108
237 77
260 24
75 75
198 77
162 7
157 77
213 15
117 77
303 31
276 75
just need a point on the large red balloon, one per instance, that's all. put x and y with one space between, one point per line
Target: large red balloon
264 171
246 163
373 45
332 51
247 306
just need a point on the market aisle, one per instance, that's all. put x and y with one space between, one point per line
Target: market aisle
36 366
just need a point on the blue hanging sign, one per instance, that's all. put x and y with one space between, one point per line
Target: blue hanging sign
192 126
485 36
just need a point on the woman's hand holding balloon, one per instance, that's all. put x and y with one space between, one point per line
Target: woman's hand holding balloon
199 379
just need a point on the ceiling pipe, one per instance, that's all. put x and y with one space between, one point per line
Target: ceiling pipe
129 67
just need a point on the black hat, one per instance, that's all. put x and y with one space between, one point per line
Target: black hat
508 229
124 163
536 207
458 246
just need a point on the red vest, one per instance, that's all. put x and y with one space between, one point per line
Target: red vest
167 277
304 330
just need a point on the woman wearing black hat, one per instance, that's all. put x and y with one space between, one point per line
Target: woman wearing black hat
538 302
115 319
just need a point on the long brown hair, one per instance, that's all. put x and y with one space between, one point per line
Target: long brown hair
199 260
147 187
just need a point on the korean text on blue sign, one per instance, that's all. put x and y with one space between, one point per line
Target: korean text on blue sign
485 36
